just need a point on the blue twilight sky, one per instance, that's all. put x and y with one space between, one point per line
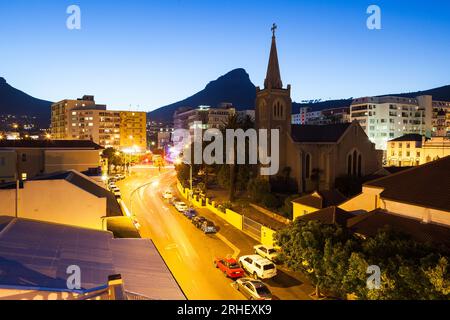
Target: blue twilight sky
155 52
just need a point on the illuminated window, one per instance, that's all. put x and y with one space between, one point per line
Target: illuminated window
24 176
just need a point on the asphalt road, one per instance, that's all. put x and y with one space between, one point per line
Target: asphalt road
188 252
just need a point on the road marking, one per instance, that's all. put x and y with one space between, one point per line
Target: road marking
236 250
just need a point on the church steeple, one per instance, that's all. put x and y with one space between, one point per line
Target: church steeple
273 77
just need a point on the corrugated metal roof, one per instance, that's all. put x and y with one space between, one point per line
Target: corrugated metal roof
36 254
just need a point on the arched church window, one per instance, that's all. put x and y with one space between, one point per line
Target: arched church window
355 156
349 165
307 166
278 110
359 166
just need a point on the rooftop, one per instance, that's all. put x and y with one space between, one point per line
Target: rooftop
318 133
368 224
409 137
87 184
35 255
321 199
427 185
50 144
330 215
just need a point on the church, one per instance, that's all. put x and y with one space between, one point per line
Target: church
314 154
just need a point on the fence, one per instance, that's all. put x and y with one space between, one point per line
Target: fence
252 228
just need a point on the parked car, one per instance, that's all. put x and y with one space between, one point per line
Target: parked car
208 227
258 267
253 289
119 177
198 221
167 194
229 267
190 213
174 200
181 206
267 252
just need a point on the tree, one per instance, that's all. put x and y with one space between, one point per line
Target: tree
114 157
308 247
336 262
439 277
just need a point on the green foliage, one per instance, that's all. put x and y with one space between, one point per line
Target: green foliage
287 208
336 262
257 189
183 174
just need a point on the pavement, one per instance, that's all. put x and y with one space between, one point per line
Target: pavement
188 252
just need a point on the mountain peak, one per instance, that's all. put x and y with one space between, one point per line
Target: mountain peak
2 80
234 87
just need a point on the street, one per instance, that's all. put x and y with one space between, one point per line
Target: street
188 252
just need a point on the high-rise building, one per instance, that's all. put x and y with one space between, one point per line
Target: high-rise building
133 131
386 118
441 118
83 119
60 115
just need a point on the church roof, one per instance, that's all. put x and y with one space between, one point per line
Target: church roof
318 133
273 76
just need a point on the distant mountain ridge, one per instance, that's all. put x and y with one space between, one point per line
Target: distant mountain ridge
236 87
16 102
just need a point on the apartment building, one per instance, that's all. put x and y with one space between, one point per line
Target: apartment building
133 131
184 118
386 118
60 112
441 118
95 123
83 119
414 150
321 117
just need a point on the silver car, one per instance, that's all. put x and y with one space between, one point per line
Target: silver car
253 289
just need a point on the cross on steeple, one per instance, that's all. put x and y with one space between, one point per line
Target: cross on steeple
274 27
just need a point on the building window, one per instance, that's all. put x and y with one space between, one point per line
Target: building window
307 166
24 157
349 165
24 176
359 165
354 163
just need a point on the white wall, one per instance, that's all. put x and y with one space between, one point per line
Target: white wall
413 211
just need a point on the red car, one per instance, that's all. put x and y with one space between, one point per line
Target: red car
229 267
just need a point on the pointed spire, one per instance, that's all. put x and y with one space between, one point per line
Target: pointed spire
273 77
